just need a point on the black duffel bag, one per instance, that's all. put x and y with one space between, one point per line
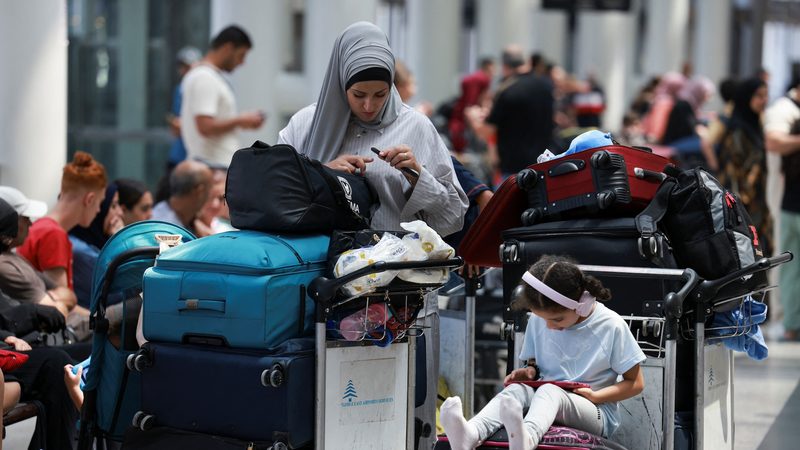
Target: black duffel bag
275 188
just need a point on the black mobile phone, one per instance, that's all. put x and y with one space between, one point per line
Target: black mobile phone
407 170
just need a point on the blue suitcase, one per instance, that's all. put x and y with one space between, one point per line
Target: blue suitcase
251 395
243 289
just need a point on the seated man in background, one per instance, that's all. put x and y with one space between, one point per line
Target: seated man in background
18 278
189 186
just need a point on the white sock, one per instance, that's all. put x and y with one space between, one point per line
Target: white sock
461 434
511 416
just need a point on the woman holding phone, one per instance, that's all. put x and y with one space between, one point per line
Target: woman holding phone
359 109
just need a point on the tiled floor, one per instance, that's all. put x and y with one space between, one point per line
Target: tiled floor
767 399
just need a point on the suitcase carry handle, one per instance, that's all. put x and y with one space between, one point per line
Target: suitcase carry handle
565 167
197 304
323 289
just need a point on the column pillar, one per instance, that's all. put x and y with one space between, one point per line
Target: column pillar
549 33
503 22
33 95
604 47
666 36
254 82
433 47
712 29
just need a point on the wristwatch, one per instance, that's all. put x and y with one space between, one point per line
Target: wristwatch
532 363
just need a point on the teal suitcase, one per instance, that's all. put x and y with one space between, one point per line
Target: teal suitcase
241 289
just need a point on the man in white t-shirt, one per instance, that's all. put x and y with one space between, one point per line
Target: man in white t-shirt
209 106
782 131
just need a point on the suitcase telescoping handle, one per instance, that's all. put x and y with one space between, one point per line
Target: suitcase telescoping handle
323 290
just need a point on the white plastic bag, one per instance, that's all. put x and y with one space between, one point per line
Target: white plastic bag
424 244
390 249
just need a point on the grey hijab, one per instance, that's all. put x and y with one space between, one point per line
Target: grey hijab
361 46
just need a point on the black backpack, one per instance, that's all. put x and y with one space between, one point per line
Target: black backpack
276 189
707 225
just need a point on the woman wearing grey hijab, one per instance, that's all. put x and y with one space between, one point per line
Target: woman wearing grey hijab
359 108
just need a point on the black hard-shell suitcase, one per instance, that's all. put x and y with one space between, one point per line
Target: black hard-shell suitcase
243 394
611 242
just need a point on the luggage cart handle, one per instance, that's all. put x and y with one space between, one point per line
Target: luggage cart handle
323 289
673 302
709 289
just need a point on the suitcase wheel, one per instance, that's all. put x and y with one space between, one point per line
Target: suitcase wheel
129 361
143 421
600 160
140 362
509 253
532 216
527 179
273 377
605 199
147 422
137 419
279 446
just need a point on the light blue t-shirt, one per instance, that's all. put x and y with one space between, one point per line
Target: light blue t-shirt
596 351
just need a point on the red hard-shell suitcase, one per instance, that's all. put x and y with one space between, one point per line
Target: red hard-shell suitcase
611 180
481 244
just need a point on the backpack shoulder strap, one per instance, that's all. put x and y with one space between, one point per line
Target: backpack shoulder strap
647 221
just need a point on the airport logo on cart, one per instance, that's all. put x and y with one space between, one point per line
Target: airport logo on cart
351 394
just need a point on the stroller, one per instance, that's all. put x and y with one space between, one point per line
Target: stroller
111 391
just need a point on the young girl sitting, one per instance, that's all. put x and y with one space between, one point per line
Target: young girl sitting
572 338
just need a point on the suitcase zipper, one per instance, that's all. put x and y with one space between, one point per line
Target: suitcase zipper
230 268
290 247
549 234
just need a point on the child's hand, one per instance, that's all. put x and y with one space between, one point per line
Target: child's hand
587 393
522 374
73 383
72 380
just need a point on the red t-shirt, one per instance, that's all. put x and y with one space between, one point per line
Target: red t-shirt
48 247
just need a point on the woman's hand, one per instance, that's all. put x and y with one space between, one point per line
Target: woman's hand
18 344
587 393
401 156
350 163
521 374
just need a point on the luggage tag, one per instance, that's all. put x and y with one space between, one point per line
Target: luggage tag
167 241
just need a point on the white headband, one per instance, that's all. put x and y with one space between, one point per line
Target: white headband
583 306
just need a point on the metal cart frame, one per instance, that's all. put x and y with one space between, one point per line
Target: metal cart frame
324 292
692 303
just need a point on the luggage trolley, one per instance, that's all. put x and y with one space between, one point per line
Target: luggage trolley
676 342
680 346
365 392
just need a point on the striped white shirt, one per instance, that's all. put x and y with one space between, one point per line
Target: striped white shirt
437 198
